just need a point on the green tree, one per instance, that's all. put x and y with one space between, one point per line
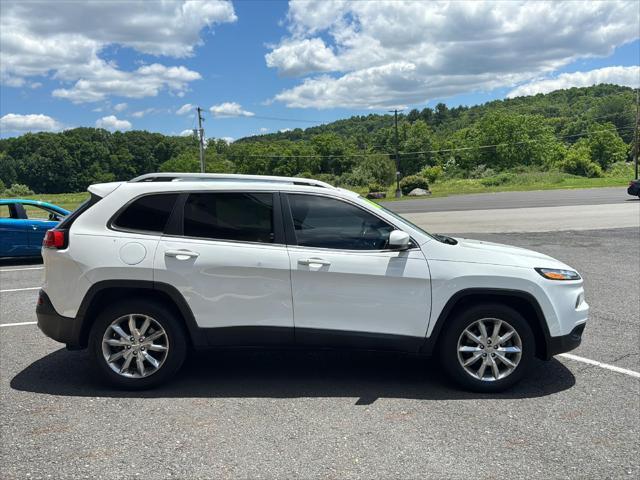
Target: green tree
605 144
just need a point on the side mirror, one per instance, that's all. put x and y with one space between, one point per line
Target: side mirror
399 240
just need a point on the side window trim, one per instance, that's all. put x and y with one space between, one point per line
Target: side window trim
290 228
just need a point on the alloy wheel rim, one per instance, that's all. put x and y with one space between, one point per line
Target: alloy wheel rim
489 349
135 345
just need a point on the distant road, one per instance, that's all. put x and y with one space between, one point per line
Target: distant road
502 200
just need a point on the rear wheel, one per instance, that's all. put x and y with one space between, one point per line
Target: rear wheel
137 345
487 348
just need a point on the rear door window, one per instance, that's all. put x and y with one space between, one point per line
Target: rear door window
239 216
147 214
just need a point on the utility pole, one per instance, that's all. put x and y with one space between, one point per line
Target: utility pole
398 191
635 133
201 138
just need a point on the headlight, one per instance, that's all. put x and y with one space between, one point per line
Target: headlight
556 274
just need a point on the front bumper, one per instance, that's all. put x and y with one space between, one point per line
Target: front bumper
53 325
565 343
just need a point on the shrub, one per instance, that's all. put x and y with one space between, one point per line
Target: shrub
413 181
620 169
432 173
357 178
2 187
481 171
18 190
578 162
376 187
497 180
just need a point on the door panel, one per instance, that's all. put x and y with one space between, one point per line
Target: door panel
14 237
229 263
367 292
344 279
228 284
36 230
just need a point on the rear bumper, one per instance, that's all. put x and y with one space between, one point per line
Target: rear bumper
53 325
565 343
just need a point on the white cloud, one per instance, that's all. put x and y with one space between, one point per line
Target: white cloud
229 109
300 57
627 76
146 81
146 111
120 107
111 122
228 139
185 109
186 133
66 42
284 130
264 129
388 53
14 122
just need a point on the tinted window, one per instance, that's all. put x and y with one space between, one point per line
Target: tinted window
149 213
246 217
329 223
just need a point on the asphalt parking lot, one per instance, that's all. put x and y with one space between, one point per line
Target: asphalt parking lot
249 414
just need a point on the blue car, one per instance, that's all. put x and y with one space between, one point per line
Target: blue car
23 224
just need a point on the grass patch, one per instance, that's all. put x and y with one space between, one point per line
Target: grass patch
70 201
512 182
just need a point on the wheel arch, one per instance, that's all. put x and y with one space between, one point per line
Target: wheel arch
521 301
103 293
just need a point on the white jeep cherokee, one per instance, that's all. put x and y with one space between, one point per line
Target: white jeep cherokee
147 269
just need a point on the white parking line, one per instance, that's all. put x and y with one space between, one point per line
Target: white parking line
595 363
16 324
19 289
20 269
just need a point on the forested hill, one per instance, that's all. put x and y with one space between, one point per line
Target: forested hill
581 131
614 102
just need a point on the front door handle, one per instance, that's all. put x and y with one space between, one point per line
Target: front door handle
181 254
313 261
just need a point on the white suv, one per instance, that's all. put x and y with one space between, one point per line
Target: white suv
148 269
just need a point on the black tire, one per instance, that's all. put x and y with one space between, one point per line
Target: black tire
165 318
448 346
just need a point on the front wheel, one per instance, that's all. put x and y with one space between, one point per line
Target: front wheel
137 345
487 348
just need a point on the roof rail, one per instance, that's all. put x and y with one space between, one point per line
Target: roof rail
208 177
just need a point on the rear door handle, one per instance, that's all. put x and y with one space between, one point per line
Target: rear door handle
313 261
181 254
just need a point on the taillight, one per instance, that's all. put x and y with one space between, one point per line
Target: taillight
55 239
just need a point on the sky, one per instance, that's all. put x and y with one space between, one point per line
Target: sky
264 66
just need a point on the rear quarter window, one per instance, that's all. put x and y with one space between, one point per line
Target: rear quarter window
147 214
